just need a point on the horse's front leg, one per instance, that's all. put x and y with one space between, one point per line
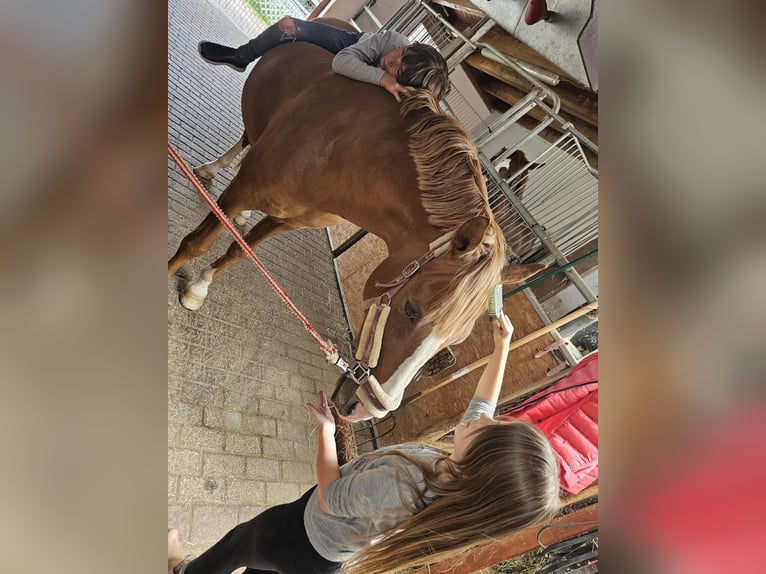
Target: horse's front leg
195 293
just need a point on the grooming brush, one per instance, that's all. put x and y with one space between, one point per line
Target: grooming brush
495 301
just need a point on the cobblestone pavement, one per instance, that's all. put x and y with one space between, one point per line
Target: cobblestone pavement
241 369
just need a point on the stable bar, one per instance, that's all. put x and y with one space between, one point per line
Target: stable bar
343 247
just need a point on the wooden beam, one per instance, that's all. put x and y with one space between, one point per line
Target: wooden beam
460 6
548 134
511 95
515 48
573 100
517 544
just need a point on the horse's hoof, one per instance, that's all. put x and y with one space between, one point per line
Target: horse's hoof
204 173
191 301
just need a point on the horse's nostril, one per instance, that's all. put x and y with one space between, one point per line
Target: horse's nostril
348 408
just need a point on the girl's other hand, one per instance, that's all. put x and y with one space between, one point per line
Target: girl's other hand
393 87
321 413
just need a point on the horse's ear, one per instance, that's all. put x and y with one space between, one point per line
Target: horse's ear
515 274
470 235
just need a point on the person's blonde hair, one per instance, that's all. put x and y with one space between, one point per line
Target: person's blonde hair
508 480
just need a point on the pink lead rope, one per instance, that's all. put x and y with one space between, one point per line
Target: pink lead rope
329 349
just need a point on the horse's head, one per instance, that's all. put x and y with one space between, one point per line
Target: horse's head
412 316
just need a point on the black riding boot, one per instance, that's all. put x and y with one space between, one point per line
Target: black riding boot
239 58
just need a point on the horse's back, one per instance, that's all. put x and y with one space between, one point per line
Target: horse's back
293 89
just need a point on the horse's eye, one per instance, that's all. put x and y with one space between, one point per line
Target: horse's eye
411 311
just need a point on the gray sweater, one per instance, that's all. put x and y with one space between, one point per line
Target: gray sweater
365 500
360 62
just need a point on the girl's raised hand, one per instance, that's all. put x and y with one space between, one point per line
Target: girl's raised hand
321 413
502 331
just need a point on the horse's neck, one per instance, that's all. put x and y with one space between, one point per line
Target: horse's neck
402 229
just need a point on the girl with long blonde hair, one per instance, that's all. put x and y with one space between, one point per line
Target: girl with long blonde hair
400 507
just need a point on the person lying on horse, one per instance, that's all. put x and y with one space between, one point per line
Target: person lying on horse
404 506
386 59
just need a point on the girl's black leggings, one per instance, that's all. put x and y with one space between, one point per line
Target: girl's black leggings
328 37
274 542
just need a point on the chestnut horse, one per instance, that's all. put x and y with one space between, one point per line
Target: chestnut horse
325 148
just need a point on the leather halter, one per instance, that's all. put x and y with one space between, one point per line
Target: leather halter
366 344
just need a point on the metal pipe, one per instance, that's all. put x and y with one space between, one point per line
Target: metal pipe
350 242
519 109
537 229
373 17
340 289
564 348
550 273
389 24
539 73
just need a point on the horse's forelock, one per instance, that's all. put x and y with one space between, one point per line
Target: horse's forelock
474 274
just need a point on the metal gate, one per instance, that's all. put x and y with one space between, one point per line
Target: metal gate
547 205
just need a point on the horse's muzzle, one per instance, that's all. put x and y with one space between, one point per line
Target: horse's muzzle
344 397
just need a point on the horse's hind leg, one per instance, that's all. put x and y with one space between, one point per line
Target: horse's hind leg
195 243
208 171
195 293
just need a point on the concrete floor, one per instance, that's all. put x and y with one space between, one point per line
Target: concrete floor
241 369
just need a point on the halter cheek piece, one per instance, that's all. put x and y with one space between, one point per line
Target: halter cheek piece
368 342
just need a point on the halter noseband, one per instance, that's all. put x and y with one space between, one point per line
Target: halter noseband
367 343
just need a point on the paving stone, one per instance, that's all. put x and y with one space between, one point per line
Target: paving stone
198 437
301 472
204 395
248 492
280 493
201 489
278 448
241 368
184 461
223 419
263 469
294 431
209 523
226 465
261 426
184 412
243 444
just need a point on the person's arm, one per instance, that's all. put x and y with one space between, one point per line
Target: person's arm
360 61
488 387
327 454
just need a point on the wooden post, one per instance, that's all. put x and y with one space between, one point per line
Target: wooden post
515 345
517 544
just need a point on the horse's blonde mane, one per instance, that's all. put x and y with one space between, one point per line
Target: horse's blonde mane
452 191
451 184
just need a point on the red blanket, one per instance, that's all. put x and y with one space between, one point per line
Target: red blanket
567 413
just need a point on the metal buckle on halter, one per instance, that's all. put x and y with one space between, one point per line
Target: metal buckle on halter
358 372
411 269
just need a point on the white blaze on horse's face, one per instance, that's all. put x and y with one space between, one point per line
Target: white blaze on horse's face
397 382
407 370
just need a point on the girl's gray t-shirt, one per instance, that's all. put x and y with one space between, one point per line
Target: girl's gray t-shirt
366 501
